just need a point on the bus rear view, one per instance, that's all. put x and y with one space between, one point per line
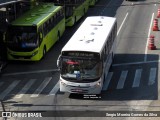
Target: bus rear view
85 59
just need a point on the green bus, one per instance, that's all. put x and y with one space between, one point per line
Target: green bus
30 36
92 2
74 9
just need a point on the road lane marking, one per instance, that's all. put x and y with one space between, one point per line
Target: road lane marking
55 89
137 78
25 88
30 72
122 79
152 76
9 89
122 23
135 63
41 87
149 32
107 81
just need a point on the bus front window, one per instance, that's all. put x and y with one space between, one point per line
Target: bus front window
81 69
29 39
22 37
25 39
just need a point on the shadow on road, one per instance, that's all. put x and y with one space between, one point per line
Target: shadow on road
139 83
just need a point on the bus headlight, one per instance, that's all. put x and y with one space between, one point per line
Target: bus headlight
98 84
35 53
63 83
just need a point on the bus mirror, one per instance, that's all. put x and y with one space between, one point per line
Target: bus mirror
59 61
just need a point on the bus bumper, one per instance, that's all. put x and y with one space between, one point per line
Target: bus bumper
21 56
72 88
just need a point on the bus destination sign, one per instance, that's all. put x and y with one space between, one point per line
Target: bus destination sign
79 54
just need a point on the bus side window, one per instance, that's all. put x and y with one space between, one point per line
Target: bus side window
106 49
110 42
50 24
47 26
61 14
114 32
40 35
53 21
44 29
104 55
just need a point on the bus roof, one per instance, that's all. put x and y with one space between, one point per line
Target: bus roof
91 35
36 15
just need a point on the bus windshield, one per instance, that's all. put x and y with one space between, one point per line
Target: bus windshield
81 69
24 37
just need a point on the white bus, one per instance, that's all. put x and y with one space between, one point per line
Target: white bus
86 58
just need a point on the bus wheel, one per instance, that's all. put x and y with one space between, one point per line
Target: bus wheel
44 51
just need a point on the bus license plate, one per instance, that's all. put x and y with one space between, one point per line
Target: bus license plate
78 90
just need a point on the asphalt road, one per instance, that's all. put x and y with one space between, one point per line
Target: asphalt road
132 83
